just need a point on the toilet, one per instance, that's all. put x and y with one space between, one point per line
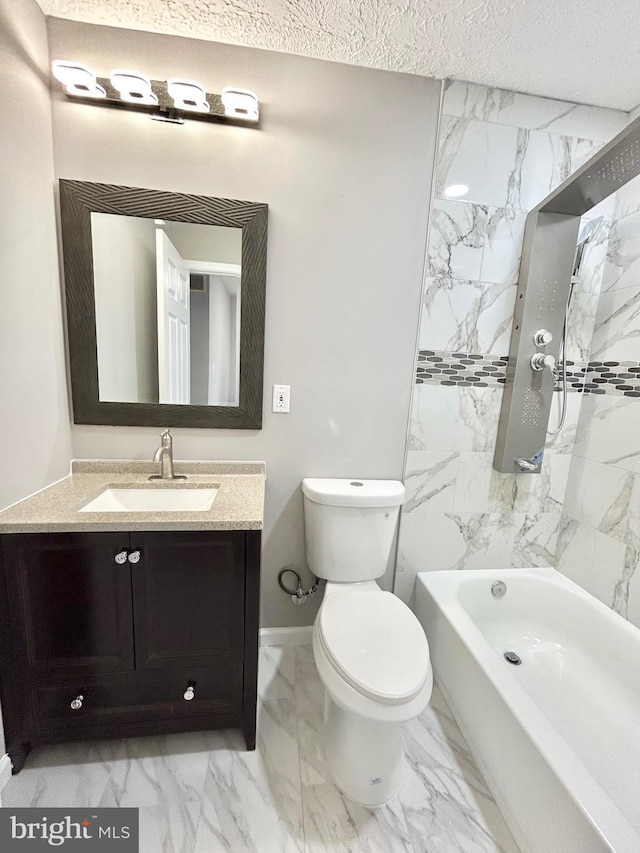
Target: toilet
370 651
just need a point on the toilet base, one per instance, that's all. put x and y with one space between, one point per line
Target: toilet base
365 757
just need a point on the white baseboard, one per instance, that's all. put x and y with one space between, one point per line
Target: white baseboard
285 636
5 772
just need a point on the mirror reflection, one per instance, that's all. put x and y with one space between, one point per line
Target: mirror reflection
168 306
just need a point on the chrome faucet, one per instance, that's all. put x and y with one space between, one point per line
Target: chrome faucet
164 454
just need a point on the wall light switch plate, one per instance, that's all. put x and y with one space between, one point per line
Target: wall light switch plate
281 396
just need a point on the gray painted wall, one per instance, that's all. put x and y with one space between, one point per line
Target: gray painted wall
34 423
206 242
124 271
199 347
344 160
221 355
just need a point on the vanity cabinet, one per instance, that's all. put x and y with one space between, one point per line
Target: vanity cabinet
121 634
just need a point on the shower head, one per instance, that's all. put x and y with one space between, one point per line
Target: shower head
589 229
586 234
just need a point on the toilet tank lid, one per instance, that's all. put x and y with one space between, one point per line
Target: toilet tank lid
354 492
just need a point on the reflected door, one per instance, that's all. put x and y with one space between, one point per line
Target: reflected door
174 334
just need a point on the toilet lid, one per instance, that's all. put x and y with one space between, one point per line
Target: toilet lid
376 643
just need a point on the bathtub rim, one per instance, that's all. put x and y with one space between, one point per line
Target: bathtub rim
598 808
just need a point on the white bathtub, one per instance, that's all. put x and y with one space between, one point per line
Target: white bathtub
558 737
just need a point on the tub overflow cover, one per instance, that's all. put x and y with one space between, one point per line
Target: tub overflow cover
512 657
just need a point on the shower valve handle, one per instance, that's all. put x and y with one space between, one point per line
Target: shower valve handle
542 338
539 361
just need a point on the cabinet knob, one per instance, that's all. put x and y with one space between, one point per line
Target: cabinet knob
76 704
190 692
121 557
134 557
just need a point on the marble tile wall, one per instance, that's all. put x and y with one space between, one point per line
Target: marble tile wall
599 541
504 152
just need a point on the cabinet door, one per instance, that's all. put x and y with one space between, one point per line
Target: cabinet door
72 613
188 598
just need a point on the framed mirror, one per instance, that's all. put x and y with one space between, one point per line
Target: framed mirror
165 297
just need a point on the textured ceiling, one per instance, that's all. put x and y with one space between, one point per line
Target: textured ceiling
580 50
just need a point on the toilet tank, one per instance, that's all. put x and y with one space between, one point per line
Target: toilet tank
349 526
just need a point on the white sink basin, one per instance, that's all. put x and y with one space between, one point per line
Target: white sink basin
152 500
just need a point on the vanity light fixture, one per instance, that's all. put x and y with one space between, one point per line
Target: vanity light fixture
78 80
172 100
188 95
240 103
134 88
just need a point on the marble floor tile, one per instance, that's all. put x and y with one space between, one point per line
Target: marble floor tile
446 802
151 771
334 823
169 829
276 666
309 693
313 769
251 800
202 792
64 775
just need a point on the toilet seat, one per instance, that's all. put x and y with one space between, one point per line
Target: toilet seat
375 643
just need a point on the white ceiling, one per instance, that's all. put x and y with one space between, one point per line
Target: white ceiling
579 50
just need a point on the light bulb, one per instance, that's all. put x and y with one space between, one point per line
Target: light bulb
77 79
134 88
188 95
240 103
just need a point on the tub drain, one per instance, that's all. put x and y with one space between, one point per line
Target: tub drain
512 657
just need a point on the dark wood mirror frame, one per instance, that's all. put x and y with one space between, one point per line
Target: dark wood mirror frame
78 200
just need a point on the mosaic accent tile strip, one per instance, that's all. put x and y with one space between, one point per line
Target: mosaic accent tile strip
621 378
460 368
435 367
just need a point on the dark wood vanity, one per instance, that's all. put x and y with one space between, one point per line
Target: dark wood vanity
111 634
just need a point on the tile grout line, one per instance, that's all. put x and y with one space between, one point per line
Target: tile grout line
295 705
